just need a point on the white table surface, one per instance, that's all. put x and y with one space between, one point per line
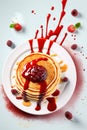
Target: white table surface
21 10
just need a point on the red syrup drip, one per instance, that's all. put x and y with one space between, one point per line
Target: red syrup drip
56 32
63 4
41 31
36 34
47 22
59 27
26 84
41 43
42 93
31 45
49 47
63 39
56 93
51 104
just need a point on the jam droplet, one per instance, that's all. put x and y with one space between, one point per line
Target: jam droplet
38 107
52 8
68 115
51 104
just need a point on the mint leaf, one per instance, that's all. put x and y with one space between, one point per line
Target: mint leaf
77 25
11 25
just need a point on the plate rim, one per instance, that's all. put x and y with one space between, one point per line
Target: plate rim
37 113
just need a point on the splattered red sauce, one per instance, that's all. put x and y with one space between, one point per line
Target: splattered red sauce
80 77
17 112
52 8
56 32
41 43
22 115
33 12
54 18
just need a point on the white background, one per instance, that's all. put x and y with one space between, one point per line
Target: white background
10 10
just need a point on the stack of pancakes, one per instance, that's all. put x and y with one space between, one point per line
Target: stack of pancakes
52 79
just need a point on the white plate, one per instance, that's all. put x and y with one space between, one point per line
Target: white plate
19 53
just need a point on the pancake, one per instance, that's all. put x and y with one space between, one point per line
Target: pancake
35 87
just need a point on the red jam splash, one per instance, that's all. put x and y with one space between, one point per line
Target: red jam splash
56 32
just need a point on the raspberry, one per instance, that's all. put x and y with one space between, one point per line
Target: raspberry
68 115
17 27
71 28
74 46
9 43
74 12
